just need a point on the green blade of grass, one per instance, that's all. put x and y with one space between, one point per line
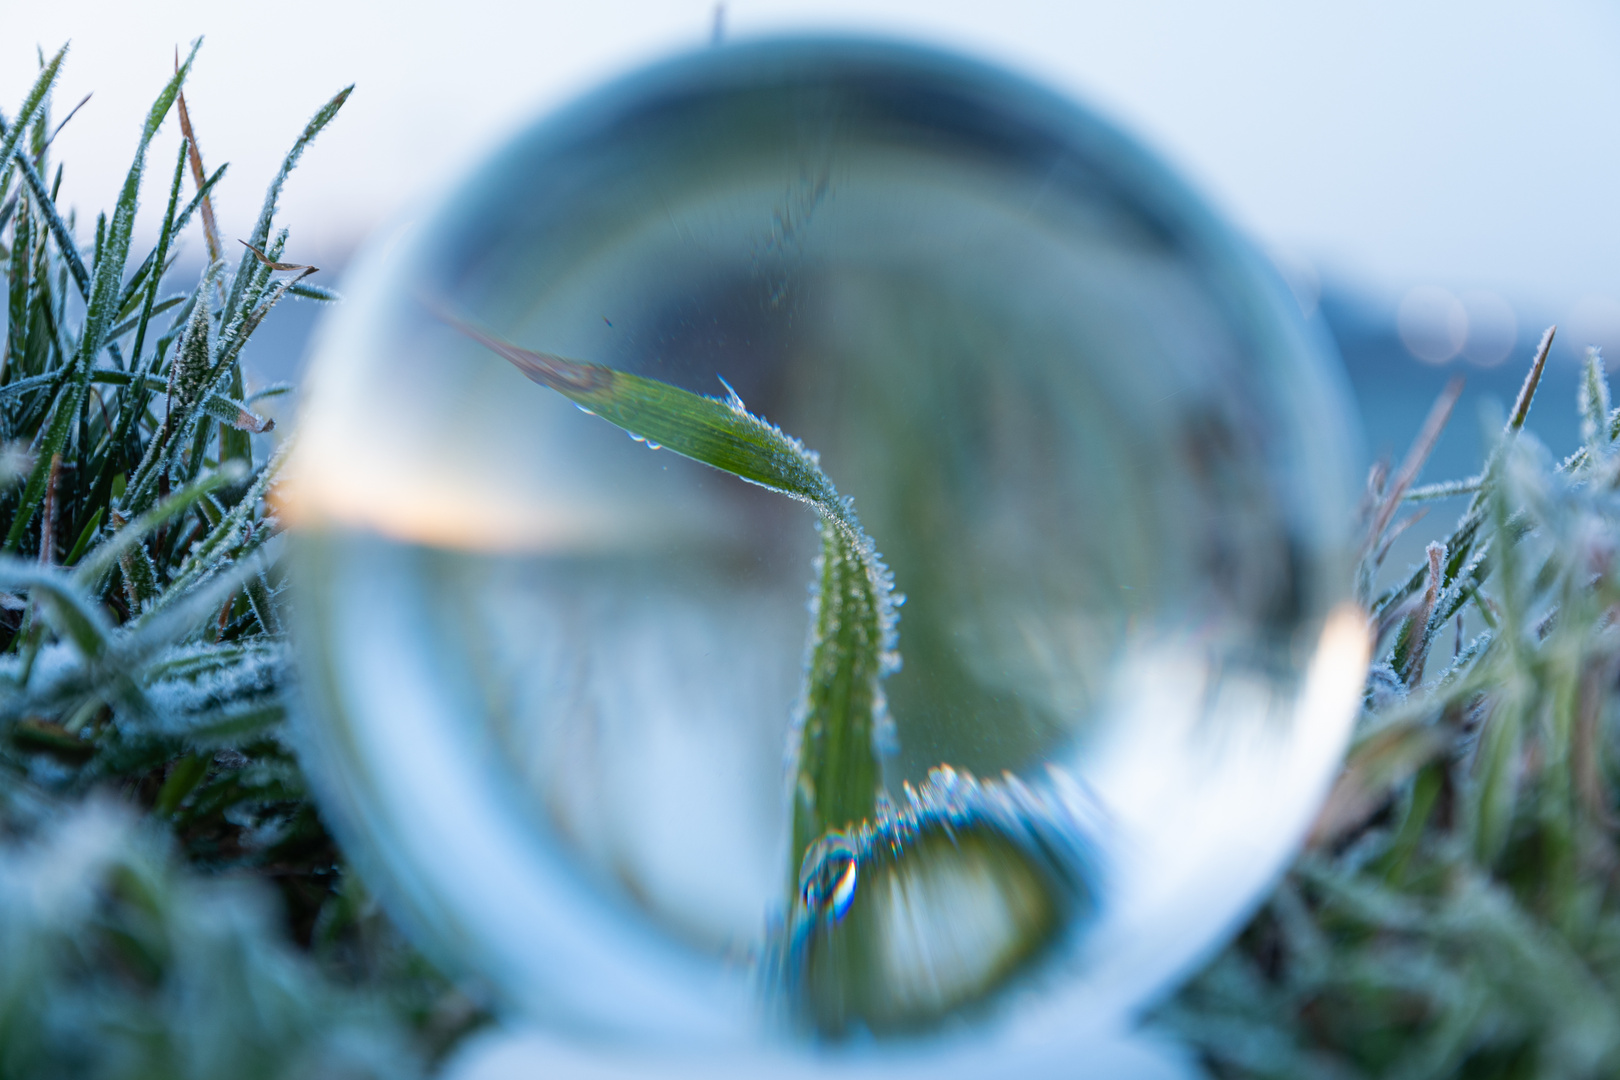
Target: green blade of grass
85 536
105 290
318 293
33 105
1594 404
185 390
65 411
837 770
135 320
104 556
721 434
267 213
18 282
198 200
45 203
158 261
211 548
73 613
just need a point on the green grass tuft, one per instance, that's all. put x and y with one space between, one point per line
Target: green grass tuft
141 653
1456 911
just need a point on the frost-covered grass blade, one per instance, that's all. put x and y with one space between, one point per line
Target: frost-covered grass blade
851 844
838 772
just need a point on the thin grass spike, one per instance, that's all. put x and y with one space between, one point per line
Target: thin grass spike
261 228
33 105
1527 391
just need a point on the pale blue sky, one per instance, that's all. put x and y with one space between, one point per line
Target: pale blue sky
1466 145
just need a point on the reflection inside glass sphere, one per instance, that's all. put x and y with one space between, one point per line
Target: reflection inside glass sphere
608 449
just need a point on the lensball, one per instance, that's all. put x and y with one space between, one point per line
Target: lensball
622 722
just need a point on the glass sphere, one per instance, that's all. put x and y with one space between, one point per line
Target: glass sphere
573 699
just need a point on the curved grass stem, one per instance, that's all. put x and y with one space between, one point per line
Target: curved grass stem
837 775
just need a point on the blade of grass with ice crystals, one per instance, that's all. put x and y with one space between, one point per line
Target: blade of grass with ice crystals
135 398
159 260
105 290
1594 405
318 293
837 774
73 613
18 291
238 414
225 368
53 220
184 387
213 549
237 323
261 228
104 556
11 140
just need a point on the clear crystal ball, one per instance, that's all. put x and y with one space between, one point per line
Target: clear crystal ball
560 684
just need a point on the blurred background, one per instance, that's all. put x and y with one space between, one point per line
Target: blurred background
1434 180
